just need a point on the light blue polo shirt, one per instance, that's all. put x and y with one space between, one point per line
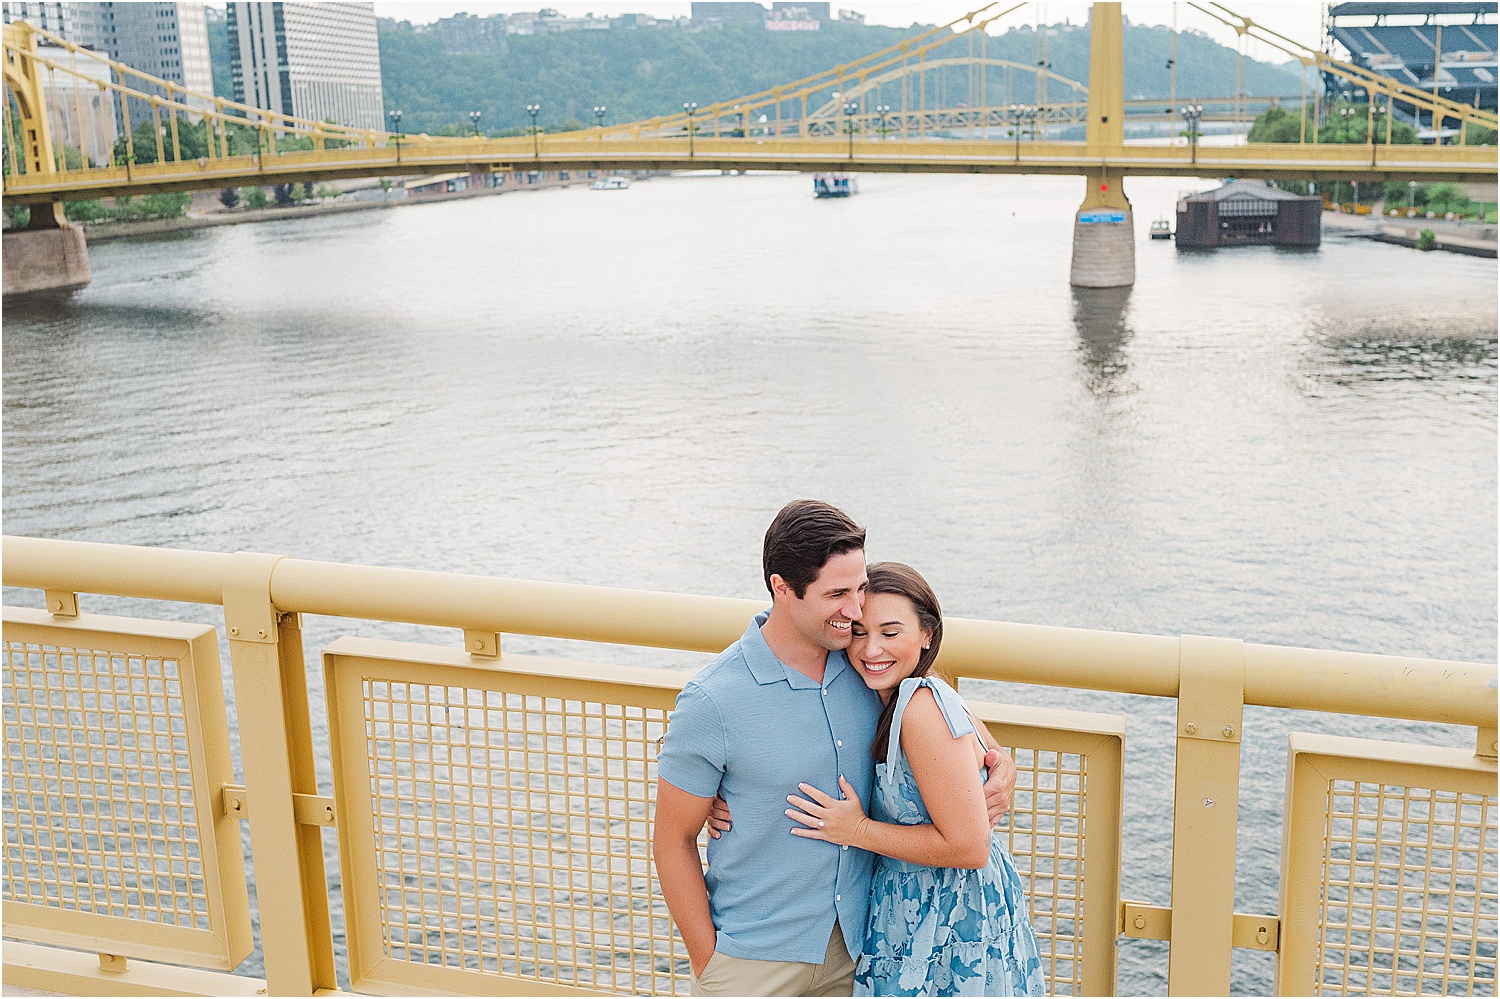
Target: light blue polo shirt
750 728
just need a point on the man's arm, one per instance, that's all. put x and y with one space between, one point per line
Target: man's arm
674 843
1002 782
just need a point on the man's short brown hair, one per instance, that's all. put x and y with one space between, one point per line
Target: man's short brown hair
803 537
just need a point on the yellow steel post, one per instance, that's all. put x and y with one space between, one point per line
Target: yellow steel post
276 752
24 79
1106 122
1210 711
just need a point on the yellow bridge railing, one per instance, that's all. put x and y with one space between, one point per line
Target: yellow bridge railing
491 812
878 112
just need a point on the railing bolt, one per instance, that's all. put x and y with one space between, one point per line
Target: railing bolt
1208 802
261 633
1190 728
1140 922
1228 731
234 631
1262 936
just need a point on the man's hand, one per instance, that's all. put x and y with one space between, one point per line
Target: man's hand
1000 786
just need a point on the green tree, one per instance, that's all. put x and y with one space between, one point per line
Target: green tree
192 139
17 216
1478 135
167 205
255 197
86 211
1278 124
1445 198
229 197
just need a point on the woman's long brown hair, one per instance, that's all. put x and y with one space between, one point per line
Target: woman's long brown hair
903 580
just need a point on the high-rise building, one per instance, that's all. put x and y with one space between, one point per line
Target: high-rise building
318 61
161 39
54 17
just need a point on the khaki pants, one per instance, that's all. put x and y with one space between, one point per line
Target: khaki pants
738 976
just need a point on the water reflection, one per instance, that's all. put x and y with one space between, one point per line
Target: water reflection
1354 360
1103 334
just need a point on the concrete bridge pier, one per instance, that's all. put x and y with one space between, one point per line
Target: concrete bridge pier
1103 237
49 255
1104 228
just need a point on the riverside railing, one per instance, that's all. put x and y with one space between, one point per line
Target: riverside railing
492 812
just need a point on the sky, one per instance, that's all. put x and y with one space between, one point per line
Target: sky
1297 20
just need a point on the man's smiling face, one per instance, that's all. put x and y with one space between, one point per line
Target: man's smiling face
832 603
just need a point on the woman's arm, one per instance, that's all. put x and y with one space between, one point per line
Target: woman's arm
948 778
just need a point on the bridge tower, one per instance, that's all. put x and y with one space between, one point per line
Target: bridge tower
1104 228
49 254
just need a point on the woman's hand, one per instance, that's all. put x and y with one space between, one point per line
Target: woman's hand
718 818
827 818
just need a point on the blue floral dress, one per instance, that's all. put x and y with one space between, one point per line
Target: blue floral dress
941 931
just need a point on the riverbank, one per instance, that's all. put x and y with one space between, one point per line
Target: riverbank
102 232
1471 239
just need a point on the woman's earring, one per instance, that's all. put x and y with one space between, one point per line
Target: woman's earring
927 646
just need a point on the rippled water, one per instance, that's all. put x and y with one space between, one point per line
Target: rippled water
622 387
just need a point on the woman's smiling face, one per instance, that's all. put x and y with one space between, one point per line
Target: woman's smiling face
888 642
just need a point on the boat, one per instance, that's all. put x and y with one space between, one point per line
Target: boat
1161 228
609 184
834 185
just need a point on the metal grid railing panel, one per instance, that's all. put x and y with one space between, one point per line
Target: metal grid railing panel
111 746
496 824
1405 893
1045 831
1064 832
505 821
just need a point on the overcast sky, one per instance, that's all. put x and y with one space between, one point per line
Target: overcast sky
1299 20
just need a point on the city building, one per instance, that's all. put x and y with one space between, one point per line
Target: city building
54 17
799 10
725 11
319 61
1447 47
164 40
466 34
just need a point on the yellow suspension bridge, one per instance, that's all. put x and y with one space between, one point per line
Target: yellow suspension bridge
836 119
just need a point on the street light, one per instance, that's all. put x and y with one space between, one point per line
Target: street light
474 117
850 108
395 117
883 110
740 115
1193 113
599 110
1018 114
1411 186
536 147
688 107
1347 114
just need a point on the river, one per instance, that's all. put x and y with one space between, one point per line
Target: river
622 387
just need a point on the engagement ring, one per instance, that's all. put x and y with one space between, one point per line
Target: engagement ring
821 823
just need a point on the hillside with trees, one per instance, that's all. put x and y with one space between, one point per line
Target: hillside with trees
641 72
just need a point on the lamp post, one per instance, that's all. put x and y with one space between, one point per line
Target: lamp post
1192 113
1346 114
1411 187
883 110
739 115
688 107
395 117
1018 114
599 110
850 108
474 117
536 144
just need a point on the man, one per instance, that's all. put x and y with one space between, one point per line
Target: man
777 914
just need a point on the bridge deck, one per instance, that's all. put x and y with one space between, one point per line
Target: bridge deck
574 152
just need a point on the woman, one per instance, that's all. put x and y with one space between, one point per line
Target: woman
947 914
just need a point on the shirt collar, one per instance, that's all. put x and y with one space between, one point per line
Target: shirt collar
766 668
